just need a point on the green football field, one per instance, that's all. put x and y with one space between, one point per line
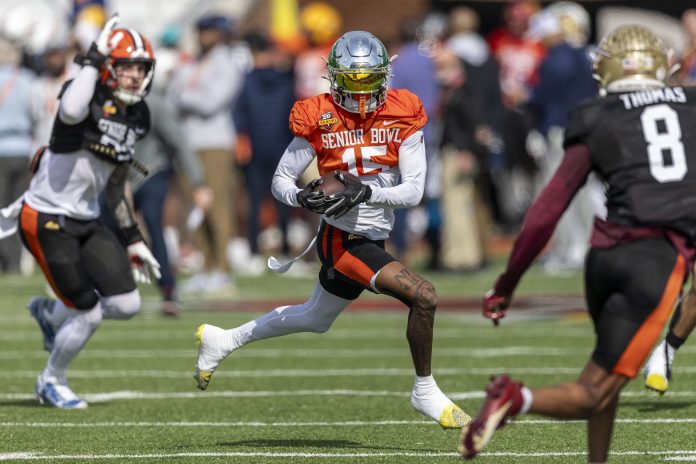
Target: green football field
338 397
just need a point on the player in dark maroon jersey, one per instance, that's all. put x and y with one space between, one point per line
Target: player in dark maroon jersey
640 138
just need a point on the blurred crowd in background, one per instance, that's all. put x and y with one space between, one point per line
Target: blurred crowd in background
497 105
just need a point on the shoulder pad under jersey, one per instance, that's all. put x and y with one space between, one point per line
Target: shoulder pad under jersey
305 115
405 105
582 119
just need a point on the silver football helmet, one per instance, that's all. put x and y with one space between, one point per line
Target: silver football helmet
359 69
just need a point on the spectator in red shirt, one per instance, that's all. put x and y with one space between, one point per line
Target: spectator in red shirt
518 56
688 64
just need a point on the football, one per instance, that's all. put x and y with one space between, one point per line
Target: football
330 184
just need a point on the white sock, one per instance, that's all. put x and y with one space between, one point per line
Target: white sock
70 339
315 315
57 314
671 351
527 400
427 397
233 339
284 320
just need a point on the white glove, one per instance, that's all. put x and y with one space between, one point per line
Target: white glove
103 44
143 264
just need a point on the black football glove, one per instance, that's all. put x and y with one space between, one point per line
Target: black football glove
316 202
92 58
101 48
355 193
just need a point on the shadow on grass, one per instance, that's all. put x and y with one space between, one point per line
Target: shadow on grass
21 403
309 443
656 405
34 404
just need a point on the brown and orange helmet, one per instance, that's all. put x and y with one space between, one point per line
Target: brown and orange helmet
128 46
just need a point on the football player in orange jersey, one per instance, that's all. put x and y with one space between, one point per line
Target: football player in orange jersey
374 134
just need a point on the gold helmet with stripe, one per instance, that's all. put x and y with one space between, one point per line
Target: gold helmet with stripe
631 58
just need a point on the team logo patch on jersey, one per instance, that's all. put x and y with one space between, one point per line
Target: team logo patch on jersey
354 237
109 108
327 121
51 225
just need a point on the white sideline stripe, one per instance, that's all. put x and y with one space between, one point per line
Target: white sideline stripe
307 353
350 334
308 373
270 353
139 395
312 373
314 424
211 424
30 455
686 420
33 456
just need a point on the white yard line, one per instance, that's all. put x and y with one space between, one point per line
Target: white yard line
320 353
685 420
137 395
358 423
35 456
305 373
325 373
34 352
305 353
463 333
212 424
140 395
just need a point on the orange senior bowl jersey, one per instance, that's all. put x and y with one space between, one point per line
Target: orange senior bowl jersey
368 148
345 141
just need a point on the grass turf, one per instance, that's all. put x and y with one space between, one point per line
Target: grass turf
337 397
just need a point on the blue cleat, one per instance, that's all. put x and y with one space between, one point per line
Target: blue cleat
37 307
49 391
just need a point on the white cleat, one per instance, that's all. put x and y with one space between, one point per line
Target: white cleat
50 391
658 369
450 416
210 353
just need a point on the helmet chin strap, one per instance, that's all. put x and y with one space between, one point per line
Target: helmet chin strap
361 104
131 98
127 98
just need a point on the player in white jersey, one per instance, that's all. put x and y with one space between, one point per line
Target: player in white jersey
375 135
101 114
